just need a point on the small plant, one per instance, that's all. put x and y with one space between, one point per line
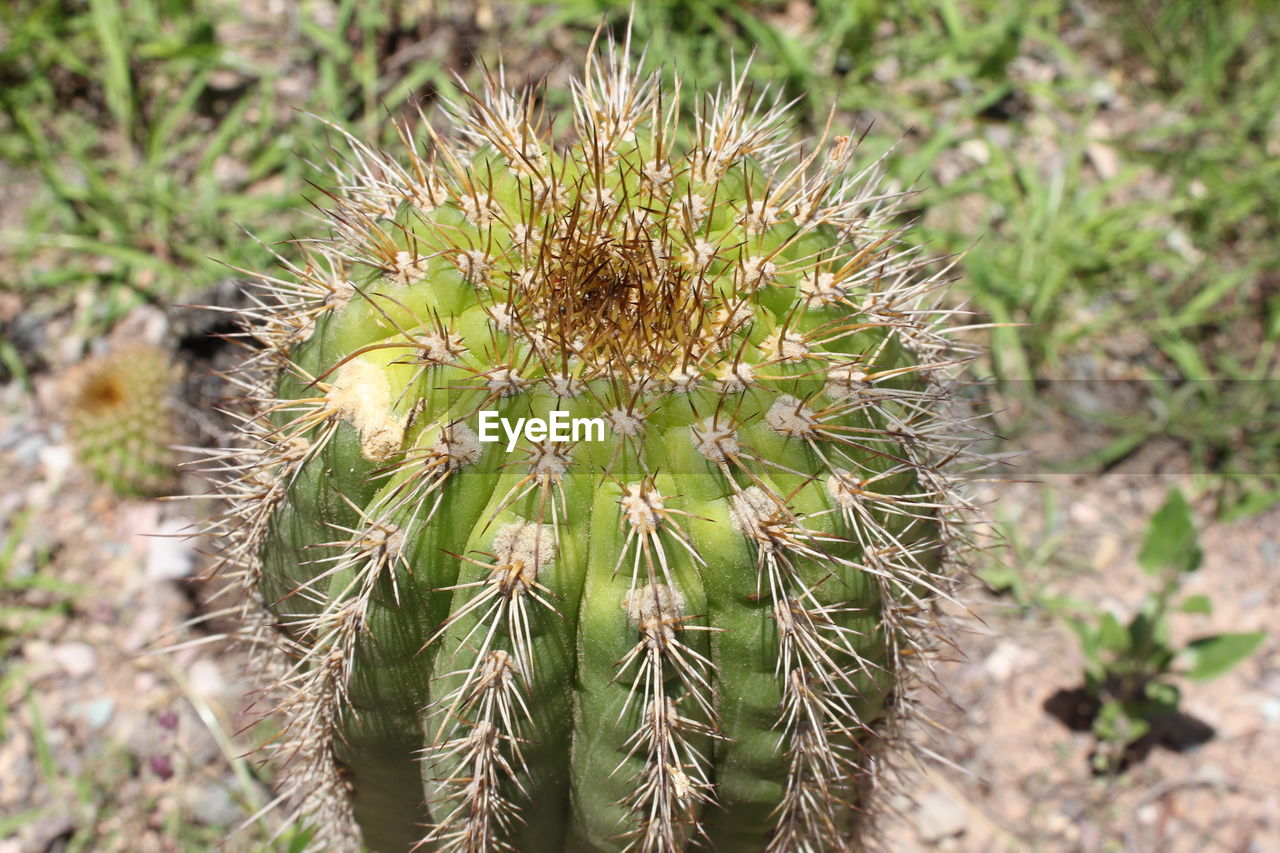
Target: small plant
120 418
1130 670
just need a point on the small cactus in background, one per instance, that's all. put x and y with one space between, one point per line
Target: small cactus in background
691 622
118 408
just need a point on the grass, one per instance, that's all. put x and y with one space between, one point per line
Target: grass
155 140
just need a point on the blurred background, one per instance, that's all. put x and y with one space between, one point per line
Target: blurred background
1110 170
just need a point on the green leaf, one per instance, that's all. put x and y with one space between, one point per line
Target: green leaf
1197 604
1209 657
1165 696
1115 723
1170 544
1112 636
1088 638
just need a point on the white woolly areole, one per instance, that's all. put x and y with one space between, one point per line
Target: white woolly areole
458 445
751 513
292 449
506 382
656 609
503 316
844 487
524 549
550 462
384 541
440 347
547 194
598 199
759 217
624 423
526 238
694 207
642 507
656 174
714 440
736 378
683 379
408 268
846 382
820 289
361 395
734 317
340 293
755 272
428 194
479 208
474 265
565 387
786 347
788 418
700 254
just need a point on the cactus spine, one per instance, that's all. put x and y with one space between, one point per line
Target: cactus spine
695 632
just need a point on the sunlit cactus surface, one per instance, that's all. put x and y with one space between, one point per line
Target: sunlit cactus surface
591 491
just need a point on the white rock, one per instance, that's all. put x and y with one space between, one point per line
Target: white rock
77 659
939 817
170 551
1007 659
206 679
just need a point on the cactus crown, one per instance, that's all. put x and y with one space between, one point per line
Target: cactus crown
119 412
695 631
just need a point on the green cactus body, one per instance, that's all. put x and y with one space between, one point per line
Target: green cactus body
687 628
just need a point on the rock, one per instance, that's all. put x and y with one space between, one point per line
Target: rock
939 817
170 551
976 150
206 679
76 659
57 459
1005 660
99 712
212 805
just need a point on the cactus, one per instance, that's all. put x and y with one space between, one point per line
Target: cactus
693 622
118 408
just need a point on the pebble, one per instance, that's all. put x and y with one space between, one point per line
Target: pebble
206 679
57 459
170 551
939 817
77 659
976 150
212 805
1084 513
1007 658
99 712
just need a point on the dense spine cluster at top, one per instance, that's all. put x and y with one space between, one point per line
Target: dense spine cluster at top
697 632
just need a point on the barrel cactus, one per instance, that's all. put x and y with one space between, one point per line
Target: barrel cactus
591 495
120 418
